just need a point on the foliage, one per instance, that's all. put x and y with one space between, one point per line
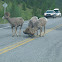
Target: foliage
3 21
59 4
1 8
27 8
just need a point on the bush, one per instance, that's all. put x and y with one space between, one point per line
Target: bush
1 8
3 21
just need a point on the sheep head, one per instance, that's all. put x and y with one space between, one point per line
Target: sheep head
6 15
29 31
26 31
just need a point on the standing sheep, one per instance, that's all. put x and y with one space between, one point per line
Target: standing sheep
42 22
32 21
15 22
37 25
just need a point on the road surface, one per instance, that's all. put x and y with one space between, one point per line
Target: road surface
32 49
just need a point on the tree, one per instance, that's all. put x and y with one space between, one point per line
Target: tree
24 6
15 11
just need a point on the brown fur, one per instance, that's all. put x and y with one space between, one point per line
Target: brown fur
15 22
34 26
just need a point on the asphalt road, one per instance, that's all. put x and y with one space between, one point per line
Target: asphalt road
32 49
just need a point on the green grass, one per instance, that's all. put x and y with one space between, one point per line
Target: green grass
3 21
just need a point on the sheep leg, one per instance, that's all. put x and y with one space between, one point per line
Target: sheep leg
12 32
37 32
20 31
40 31
16 31
44 29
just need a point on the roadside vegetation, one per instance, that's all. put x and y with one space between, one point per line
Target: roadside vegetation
26 8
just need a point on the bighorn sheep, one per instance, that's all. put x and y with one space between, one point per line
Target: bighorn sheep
37 25
31 24
15 22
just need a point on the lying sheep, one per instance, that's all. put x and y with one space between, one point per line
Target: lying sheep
37 25
15 22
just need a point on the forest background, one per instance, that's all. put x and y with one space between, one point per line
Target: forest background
29 8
